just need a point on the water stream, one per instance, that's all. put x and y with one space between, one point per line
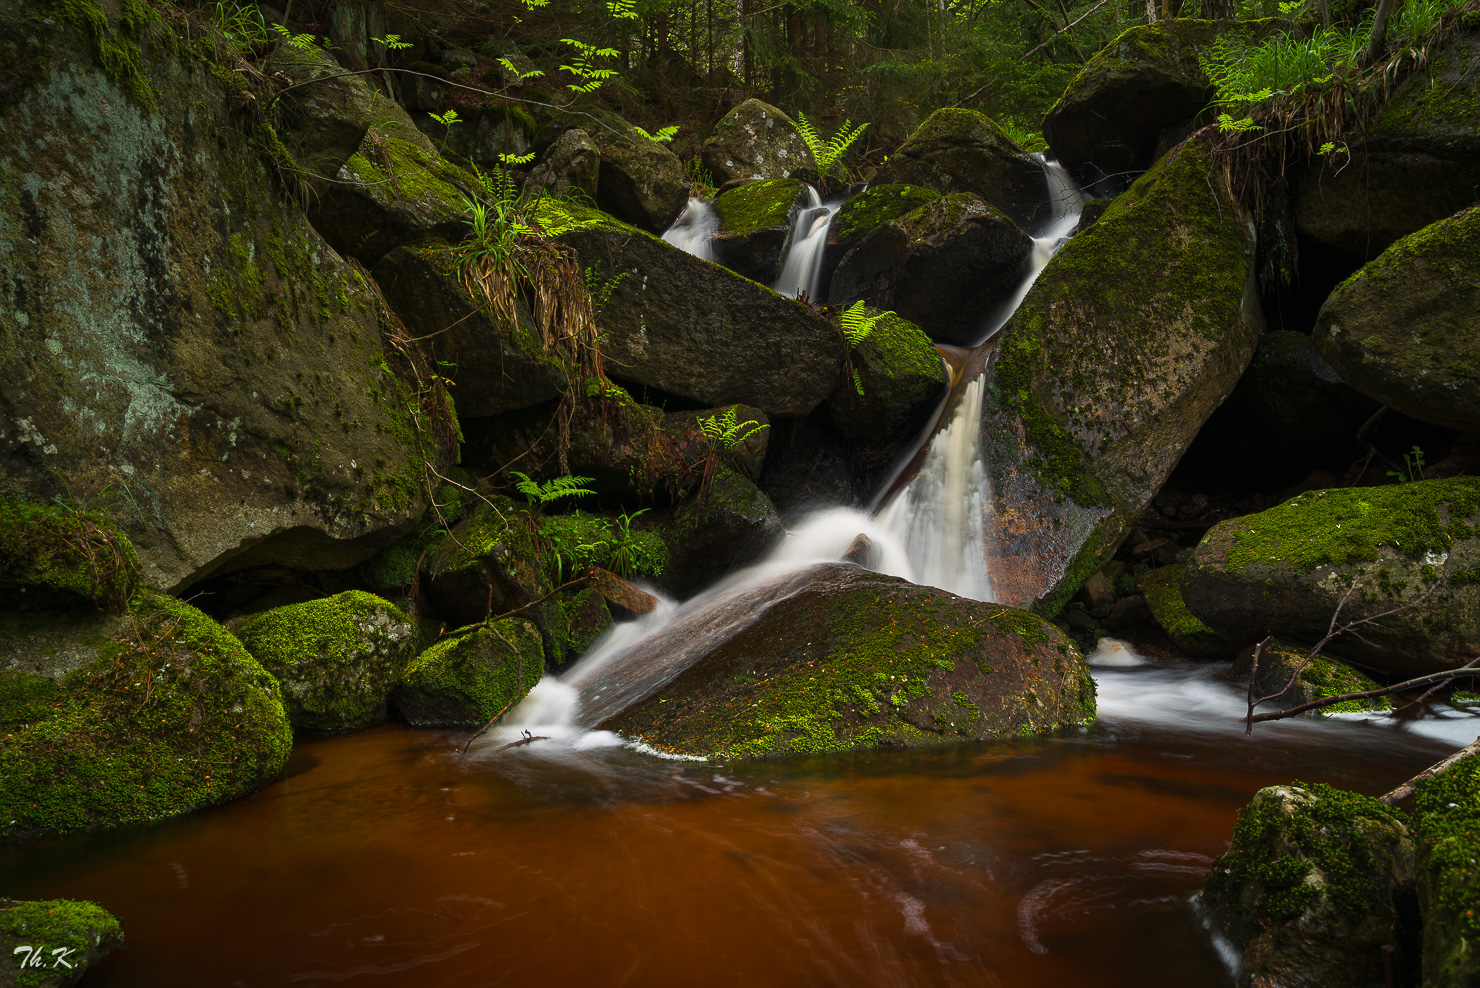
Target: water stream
694 229
801 271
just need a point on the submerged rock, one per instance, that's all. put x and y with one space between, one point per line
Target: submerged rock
467 679
336 659
1315 887
755 226
835 658
67 937
1402 329
1448 871
1285 571
755 141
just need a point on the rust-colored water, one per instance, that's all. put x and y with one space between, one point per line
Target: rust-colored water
386 859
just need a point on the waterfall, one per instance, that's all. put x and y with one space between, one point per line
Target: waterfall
694 229
803 266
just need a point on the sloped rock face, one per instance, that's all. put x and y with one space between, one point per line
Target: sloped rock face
171 328
691 328
755 226
641 181
755 141
965 151
1402 329
1137 329
1286 570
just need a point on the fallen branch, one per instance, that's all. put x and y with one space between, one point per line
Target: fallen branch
1467 670
1438 768
527 739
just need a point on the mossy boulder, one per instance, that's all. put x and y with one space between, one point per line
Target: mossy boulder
864 213
1416 164
1322 676
1448 875
56 940
901 378
1310 891
572 161
755 141
64 556
583 619
729 525
1285 571
944 267
836 658
1134 333
175 715
691 328
327 115
1162 590
468 678
496 365
755 226
1402 330
337 659
177 340
487 564
958 150
641 181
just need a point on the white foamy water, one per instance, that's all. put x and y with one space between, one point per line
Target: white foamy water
1112 653
801 272
694 229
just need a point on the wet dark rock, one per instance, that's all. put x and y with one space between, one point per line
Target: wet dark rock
1162 590
862 551
573 161
1127 612
729 526
809 468
465 680
755 141
325 122
755 226
864 213
487 565
641 182
900 380
621 593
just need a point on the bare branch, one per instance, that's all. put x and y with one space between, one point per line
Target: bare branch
1467 670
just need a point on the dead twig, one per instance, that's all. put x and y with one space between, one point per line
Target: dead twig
1467 670
527 739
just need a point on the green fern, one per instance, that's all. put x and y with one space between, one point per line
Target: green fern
551 490
514 69
722 433
299 42
665 134
584 67
827 153
856 326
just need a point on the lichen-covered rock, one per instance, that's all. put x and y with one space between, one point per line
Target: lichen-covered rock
943 267
1448 875
691 328
467 679
174 337
1284 571
573 161
52 943
175 715
495 366
731 525
1162 590
755 226
901 378
1416 164
1402 329
487 565
755 141
337 659
1136 330
957 150
863 214
641 182
1322 676
835 658
1309 892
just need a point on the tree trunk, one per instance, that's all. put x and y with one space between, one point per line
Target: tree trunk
1379 32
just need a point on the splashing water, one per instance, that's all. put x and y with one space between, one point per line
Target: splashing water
694 230
802 270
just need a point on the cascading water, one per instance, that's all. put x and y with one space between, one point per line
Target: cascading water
802 270
694 229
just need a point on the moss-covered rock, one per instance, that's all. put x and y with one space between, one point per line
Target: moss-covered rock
1308 891
1135 331
328 113
726 527
1321 677
641 181
571 162
945 267
50 944
1162 590
901 378
1285 571
174 715
863 214
487 564
837 658
755 141
62 555
1402 329
467 679
337 659
958 150
1448 875
584 618
755 226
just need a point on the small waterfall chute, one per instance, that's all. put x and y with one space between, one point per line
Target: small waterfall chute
801 272
694 229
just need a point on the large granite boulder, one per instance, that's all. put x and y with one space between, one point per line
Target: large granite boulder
943 267
1135 331
957 150
755 141
1161 588
1367 550
175 338
900 379
1309 891
835 658
691 328
1402 330
55 941
641 181
755 226
468 678
863 214
1448 875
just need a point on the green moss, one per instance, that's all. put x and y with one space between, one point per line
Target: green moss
757 206
393 168
76 931
117 53
54 550
1162 589
471 676
557 216
175 715
1448 808
878 205
25 698
898 349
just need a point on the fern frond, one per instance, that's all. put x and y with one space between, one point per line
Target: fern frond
856 326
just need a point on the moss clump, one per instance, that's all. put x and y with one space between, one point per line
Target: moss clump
876 206
1162 589
1448 808
393 168
66 553
175 715
1340 527
25 698
337 658
117 53
77 932
582 618
470 677
757 206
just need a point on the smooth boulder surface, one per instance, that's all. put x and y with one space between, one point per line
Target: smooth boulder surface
755 141
1448 875
1285 571
40 934
864 213
1133 334
943 267
1308 892
175 336
755 226
1403 329
692 328
336 658
900 379
469 678
958 150
835 658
